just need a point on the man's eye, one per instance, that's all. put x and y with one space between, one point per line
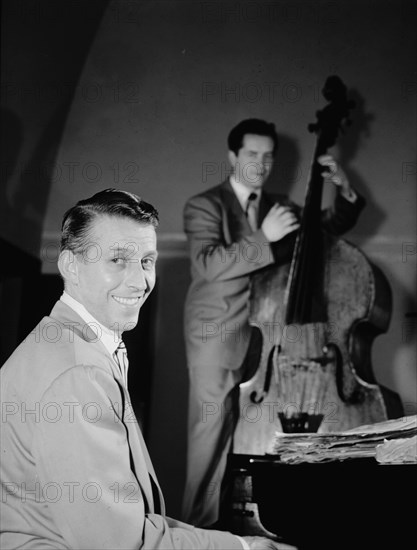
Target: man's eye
148 263
118 261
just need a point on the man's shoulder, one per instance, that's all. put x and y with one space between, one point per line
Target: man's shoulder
53 347
213 194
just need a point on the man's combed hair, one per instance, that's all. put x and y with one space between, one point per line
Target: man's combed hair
110 202
254 126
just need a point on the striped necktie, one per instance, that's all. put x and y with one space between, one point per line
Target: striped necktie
120 356
251 211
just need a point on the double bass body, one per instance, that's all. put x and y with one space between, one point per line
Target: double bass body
358 306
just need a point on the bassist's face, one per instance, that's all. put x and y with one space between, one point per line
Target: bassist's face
253 163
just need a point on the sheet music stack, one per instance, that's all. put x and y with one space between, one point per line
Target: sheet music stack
389 442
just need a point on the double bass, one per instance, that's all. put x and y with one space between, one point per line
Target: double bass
315 319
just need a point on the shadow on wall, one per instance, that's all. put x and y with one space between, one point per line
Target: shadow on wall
24 194
350 141
41 66
19 268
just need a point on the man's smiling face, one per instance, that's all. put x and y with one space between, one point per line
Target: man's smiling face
115 273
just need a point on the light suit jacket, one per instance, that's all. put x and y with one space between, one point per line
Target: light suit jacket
224 253
75 470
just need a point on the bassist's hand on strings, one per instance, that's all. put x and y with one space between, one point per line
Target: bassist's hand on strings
337 176
279 221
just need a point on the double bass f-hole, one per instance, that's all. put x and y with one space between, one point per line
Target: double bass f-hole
258 396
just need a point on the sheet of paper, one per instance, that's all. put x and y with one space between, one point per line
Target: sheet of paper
361 442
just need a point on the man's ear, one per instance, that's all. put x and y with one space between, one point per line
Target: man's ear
232 158
67 265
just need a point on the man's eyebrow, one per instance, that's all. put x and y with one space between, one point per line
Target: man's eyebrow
153 253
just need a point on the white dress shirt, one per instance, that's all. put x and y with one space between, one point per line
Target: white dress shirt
108 337
242 193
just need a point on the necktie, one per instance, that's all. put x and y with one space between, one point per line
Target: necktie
120 356
251 211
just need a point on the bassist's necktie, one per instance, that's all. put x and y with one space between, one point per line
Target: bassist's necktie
251 211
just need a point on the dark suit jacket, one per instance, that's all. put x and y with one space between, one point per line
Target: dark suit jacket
75 470
224 254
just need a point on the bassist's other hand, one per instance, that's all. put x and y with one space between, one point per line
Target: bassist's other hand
337 176
279 221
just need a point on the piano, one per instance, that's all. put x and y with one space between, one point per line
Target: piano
355 504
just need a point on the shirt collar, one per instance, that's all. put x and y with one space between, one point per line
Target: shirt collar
109 338
242 192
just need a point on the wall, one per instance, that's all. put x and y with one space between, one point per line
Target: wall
163 84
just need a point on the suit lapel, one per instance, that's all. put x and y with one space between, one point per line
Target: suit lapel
265 204
234 217
142 462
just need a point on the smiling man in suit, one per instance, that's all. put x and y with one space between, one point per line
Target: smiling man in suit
235 229
75 471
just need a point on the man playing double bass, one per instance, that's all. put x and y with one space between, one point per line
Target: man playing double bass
235 229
